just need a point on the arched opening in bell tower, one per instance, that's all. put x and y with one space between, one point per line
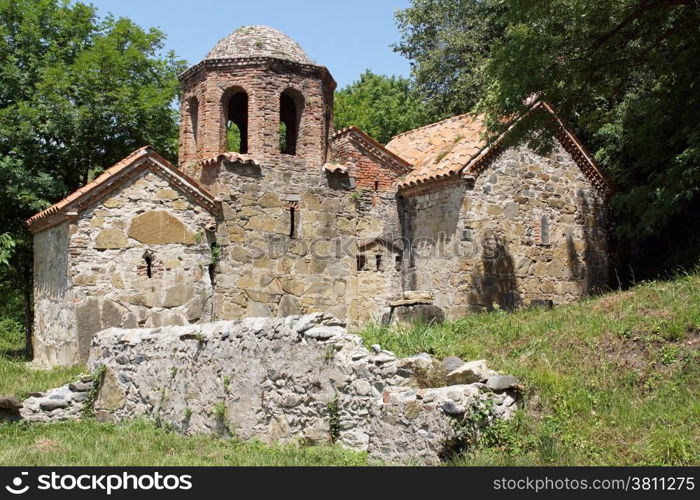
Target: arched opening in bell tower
291 109
236 120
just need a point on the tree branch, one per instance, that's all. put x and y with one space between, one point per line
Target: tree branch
602 40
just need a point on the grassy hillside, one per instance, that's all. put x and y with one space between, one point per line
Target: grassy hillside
612 380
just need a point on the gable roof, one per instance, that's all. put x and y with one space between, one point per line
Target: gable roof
115 176
440 149
457 146
381 153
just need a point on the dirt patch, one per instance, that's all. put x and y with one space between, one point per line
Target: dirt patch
44 445
649 356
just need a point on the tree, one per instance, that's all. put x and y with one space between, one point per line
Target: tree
623 73
380 105
449 43
77 94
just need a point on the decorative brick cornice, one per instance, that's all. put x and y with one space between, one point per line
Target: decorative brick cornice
247 62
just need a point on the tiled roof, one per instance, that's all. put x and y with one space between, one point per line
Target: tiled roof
258 41
457 146
440 149
115 176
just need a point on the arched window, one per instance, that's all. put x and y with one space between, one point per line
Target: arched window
193 110
236 120
291 108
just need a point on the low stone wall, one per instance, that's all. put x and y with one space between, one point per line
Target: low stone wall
296 378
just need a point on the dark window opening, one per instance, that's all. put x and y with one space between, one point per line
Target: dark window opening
398 262
378 262
291 107
215 255
376 185
149 265
544 230
292 222
212 273
361 262
193 108
237 123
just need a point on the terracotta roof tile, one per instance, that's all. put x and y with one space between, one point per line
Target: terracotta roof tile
80 198
457 145
440 149
335 168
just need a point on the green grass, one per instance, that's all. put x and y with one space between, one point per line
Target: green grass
612 380
141 443
17 377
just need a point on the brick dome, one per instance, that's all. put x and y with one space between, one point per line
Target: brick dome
258 41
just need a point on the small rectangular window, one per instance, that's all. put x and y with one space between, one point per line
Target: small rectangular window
361 262
398 262
544 230
378 262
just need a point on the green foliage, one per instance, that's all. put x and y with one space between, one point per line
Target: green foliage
215 252
334 418
623 74
77 94
220 411
449 44
381 106
611 380
233 138
7 245
88 409
283 136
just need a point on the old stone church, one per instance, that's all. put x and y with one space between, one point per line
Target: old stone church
272 212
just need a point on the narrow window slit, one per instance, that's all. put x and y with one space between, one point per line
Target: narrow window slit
361 262
149 265
378 262
292 222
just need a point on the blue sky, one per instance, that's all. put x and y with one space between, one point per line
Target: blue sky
346 36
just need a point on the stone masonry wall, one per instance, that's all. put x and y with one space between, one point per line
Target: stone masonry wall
110 246
297 378
486 246
263 269
53 311
378 217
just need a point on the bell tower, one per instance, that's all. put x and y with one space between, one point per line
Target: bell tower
256 94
